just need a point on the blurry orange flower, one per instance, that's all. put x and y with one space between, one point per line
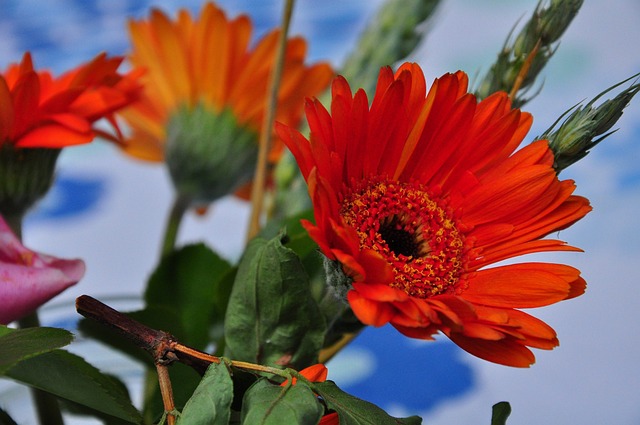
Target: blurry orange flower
317 373
40 111
417 195
207 59
205 63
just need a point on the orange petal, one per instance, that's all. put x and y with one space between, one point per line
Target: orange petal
53 136
379 292
368 311
506 352
522 285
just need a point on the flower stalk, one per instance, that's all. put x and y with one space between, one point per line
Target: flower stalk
260 176
178 209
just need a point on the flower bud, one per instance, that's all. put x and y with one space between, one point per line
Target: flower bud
586 126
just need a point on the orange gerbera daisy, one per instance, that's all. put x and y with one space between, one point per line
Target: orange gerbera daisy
40 111
417 195
206 64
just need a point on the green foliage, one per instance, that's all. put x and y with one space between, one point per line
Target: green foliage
272 317
390 37
544 29
211 401
70 377
21 344
193 284
5 419
268 404
585 126
354 411
501 412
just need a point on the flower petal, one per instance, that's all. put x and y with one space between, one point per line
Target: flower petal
368 311
521 285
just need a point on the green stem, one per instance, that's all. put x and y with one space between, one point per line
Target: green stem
14 221
47 407
179 207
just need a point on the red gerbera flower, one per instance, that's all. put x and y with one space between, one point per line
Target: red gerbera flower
40 111
418 194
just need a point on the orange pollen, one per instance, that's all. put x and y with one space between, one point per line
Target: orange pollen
414 231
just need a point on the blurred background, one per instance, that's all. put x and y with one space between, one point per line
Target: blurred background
110 209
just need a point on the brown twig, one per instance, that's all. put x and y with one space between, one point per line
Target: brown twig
162 346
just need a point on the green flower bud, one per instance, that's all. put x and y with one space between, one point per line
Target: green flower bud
209 154
586 126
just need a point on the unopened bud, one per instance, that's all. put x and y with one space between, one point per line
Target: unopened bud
586 126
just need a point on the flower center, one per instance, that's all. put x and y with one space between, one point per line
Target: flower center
414 231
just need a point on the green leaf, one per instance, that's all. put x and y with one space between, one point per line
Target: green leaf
21 344
191 281
298 238
268 404
354 411
70 377
272 317
500 413
211 401
5 419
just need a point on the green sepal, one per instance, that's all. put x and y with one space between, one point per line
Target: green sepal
26 175
209 154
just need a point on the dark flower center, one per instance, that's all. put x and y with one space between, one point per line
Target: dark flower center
399 240
413 231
